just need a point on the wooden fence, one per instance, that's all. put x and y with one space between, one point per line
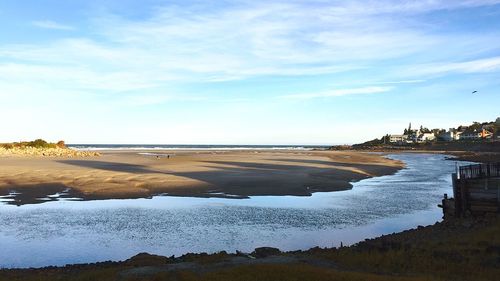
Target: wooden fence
478 171
476 190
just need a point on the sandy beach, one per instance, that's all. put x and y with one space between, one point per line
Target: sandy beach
138 174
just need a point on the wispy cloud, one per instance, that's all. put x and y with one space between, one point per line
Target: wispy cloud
147 69
340 92
48 24
473 66
401 82
186 43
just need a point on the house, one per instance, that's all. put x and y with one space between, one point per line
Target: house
426 137
485 134
470 136
474 134
398 138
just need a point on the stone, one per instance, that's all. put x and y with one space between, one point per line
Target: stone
263 252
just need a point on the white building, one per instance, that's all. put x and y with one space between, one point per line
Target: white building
426 137
398 138
472 135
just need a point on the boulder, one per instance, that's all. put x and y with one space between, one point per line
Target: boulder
263 252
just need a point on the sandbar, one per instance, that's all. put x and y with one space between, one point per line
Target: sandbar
142 174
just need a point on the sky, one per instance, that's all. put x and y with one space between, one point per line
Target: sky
244 72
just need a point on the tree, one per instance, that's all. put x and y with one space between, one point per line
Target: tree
386 139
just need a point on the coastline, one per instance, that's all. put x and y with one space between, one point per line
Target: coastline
214 173
457 155
373 259
473 151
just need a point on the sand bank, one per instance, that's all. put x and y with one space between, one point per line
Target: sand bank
135 174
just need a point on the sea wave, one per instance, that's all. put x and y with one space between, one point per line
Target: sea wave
187 147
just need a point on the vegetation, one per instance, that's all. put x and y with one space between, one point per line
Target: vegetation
38 143
463 252
246 272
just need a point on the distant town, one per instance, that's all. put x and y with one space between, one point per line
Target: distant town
486 133
476 131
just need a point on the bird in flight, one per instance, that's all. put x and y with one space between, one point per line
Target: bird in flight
474 92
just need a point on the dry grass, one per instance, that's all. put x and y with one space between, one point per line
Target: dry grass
240 273
38 143
463 254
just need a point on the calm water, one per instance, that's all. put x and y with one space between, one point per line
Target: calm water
62 232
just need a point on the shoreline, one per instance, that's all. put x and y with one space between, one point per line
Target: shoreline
229 174
318 211
438 244
458 155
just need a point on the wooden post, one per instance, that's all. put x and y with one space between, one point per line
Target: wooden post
444 205
456 194
498 196
463 196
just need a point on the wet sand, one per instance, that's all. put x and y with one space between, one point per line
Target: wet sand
235 174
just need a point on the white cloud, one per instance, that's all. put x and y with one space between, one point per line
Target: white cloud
402 81
340 92
473 66
48 24
235 42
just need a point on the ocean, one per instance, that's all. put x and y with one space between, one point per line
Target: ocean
192 147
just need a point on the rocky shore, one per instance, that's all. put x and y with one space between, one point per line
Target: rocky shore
45 152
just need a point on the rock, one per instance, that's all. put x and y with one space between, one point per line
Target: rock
61 144
147 259
263 252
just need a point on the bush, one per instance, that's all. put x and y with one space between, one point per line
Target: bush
39 143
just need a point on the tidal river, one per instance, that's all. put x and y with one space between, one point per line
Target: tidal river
66 232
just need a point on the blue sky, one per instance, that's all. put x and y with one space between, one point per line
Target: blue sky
244 72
